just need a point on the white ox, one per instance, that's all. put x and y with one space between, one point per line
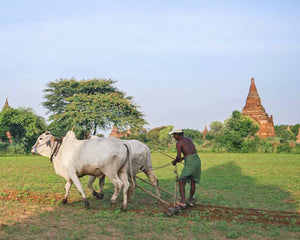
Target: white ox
140 162
74 158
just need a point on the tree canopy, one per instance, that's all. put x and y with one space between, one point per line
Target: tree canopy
23 124
89 105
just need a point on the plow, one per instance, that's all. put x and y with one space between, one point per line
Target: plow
172 209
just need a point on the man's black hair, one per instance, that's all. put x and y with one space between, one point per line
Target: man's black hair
180 134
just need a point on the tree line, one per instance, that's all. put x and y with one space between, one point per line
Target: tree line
90 106
236 135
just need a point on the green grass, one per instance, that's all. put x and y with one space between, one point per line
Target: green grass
260 181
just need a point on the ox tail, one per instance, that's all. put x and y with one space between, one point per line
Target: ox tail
130 164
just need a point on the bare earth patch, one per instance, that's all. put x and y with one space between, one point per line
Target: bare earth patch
208 212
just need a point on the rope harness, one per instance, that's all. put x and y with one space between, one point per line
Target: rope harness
56 148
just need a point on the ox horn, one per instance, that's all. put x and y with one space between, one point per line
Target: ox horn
73 128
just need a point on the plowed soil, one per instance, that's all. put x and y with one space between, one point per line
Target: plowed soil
208 212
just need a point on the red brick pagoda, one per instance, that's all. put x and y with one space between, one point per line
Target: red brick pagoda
256 111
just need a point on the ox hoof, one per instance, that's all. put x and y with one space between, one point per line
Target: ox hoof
87 204
123 209
113 203
98 195
64 201
101 195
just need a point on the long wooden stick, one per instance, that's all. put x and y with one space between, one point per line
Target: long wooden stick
151 194
176 182
167 155
164 154
158 187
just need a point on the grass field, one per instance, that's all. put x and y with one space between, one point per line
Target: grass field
235 184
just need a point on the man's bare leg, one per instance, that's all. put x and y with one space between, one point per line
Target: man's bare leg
192 192
182 191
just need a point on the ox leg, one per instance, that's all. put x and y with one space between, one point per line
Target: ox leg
78 185
153 179
131 186
116 181
67 189
124 179
101 184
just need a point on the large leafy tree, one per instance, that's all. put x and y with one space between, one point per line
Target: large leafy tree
242 124
89 105
238 128
23 124
194 134
286 135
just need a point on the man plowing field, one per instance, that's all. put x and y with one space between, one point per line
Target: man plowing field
192 167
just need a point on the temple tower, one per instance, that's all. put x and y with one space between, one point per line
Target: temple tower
256 111
6 105
204 132
116 134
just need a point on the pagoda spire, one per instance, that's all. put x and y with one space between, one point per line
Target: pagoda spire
253 94
205 132
254 109
6 105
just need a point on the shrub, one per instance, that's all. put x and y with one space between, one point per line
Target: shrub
284 148
3 147
16 148
297 149
250 145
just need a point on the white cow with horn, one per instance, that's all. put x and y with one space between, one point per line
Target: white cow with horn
140 162
75 158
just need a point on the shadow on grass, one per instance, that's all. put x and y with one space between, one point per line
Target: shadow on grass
227 185
223 185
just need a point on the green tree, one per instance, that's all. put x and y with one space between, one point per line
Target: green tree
89 105
285 135
153 137
164 138
216 127
23 124
239 128
195 135
242 124
295 129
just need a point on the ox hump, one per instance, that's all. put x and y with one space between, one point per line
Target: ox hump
70 135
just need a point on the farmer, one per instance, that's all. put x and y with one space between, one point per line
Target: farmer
192 167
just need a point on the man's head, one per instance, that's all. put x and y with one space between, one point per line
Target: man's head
176 132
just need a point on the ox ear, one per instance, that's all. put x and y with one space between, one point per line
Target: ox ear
47 133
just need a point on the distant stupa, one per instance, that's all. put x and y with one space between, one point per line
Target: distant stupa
6 105
116 134
256 111
205 131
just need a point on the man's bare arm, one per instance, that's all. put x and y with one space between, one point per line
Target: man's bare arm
179 152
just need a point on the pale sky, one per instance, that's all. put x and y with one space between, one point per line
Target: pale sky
186 63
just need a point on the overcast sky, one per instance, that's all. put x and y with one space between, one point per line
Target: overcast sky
186 63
